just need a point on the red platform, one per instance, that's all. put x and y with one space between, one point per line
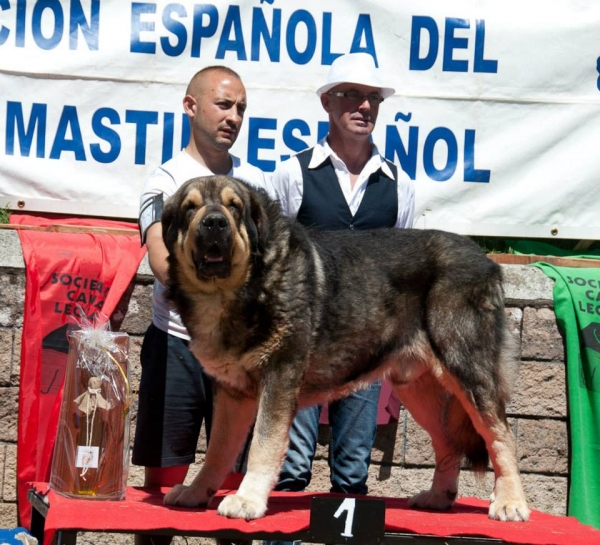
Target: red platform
288 517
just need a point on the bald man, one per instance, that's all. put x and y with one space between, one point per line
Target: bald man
175 394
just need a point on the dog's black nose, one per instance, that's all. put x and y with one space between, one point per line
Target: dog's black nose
215 221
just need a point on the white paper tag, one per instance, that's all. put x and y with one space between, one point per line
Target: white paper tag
87 457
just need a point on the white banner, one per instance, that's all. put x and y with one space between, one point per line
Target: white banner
496 118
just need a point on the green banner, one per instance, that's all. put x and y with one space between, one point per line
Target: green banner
537 247
577 308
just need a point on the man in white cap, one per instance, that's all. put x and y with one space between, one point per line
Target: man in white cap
343 183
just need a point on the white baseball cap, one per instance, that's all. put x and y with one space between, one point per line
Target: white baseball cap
355 68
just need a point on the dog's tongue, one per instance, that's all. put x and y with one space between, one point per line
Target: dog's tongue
214 255
213 258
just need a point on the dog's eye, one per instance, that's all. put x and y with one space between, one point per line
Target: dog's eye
189 212
234 208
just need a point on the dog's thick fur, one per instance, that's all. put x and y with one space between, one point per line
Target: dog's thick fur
284 317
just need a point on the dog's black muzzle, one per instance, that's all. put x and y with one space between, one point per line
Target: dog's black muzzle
213 246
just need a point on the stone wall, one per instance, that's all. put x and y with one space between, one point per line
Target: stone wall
402 458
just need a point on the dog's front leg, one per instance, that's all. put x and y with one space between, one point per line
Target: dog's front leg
278 404
233 416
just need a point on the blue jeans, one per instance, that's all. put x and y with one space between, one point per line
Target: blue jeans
353 425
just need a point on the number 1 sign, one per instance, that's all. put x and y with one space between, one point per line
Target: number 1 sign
347 520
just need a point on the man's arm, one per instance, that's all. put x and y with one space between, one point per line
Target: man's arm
157 252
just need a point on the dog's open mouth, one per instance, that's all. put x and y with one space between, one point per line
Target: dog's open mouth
212 263
214 255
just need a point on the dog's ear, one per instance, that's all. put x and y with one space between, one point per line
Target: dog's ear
170 223
258 226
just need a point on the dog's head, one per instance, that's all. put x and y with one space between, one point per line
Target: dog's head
212 226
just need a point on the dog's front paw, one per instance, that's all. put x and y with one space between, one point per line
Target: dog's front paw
509 509
185 496
430 499
240 507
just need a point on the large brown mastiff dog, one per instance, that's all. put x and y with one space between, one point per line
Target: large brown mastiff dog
283 317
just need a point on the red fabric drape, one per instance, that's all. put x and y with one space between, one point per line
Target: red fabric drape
289 513
66 274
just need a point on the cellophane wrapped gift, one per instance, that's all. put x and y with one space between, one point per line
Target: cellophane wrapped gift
91 453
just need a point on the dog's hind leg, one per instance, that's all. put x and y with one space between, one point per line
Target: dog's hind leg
425 399
482 391
232 418
478 361
508 501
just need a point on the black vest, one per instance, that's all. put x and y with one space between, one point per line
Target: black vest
324 206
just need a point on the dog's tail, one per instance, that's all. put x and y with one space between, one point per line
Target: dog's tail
461 433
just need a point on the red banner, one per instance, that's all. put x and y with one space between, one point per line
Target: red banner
69 275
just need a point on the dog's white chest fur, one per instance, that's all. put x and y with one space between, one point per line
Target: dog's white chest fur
226 368
207 346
